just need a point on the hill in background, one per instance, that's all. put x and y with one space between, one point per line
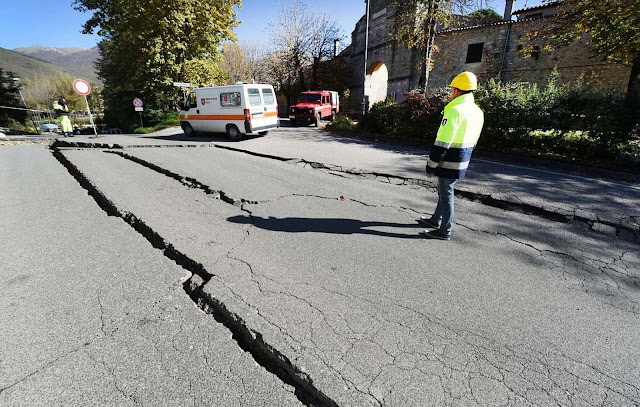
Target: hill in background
77 62
27 67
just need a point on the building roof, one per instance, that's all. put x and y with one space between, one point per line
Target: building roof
538 7
479 26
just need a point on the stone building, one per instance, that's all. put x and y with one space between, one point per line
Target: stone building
488 49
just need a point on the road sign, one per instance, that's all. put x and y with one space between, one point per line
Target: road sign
139 109
182 84
81 87
137 102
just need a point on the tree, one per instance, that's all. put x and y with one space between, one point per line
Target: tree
611 27
149 44
485 14
290 33
10 97
41 91
324 31
416 22
303 40
234 63
256 56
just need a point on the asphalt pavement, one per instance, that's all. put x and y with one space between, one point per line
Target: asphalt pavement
330 273
161 270
607 206
93 315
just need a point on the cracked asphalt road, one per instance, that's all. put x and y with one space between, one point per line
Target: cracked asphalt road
93 316
325 271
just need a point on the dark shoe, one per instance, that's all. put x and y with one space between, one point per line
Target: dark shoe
435 234
428 222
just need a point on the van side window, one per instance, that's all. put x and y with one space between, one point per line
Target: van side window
193 100
267 94
254 97
230 99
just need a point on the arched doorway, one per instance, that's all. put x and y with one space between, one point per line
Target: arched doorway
376 82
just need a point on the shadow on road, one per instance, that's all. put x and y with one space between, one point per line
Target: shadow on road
203 137
338 226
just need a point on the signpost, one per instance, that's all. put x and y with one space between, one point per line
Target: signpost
183 85
82 88
137 104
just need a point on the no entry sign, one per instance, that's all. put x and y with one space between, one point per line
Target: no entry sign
81 87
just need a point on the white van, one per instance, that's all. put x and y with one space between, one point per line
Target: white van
235 109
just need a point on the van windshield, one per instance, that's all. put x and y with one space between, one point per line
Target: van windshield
309 98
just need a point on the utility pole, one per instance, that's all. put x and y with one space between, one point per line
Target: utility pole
366 56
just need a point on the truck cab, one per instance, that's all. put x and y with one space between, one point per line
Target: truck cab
314 106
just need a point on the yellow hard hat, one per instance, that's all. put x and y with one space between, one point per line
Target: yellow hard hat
465 81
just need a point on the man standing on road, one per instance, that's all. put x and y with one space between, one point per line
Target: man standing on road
451 152
61 109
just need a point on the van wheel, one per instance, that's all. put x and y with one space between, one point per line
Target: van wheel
294 122
263 133
188 130
233 132
318 118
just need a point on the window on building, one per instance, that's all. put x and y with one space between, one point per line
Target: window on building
535 15
474 53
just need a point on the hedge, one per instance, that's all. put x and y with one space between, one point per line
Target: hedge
564 121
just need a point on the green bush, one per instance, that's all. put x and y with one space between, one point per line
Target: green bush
566 121
341 124
158 120
416 117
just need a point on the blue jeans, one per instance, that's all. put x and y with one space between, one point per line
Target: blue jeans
444 209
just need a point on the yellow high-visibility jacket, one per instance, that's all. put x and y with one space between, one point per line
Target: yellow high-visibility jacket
457 137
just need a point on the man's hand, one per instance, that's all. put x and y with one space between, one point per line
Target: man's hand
428 175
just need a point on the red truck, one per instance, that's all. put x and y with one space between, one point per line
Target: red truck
314 106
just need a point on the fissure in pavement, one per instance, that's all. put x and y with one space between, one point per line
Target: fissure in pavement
598 225
249 340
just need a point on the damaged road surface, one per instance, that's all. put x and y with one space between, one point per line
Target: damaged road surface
93 315
325 285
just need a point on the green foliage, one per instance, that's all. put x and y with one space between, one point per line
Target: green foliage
158 120
611 27
41 91
149 44
10 96
416 117
563 121
485 14
341 124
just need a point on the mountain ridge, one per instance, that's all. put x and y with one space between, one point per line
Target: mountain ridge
78 62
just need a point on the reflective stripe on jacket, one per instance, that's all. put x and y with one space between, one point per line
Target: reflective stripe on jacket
457 137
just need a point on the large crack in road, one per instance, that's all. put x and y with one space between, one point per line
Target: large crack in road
593 221
249 340
277 363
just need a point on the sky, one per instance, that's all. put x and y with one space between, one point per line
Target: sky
55 23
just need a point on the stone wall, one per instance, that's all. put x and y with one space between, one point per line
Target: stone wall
575 62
